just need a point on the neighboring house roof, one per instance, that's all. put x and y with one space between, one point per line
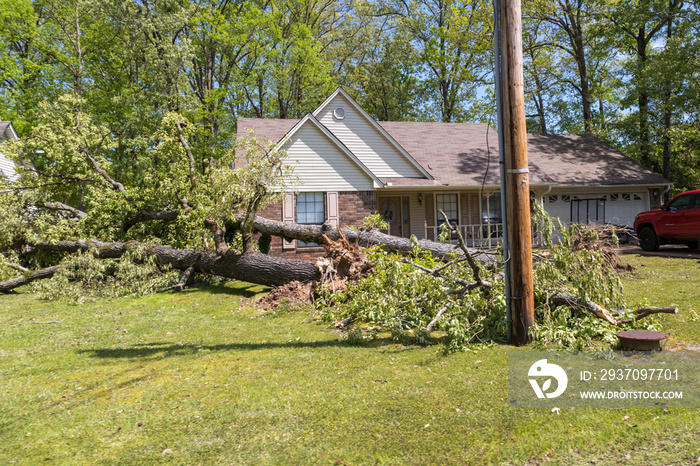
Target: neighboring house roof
466 154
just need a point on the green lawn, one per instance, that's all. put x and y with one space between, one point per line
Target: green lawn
202 377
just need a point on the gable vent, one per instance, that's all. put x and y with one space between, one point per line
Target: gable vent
339 113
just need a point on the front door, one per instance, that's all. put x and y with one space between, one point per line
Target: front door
395 211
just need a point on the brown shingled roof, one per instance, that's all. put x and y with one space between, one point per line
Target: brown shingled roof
585 160
458 154
272 128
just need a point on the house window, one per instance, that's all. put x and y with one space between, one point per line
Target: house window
310 210
553 199
447 203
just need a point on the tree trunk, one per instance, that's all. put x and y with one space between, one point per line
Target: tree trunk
585 90
314 234
251 267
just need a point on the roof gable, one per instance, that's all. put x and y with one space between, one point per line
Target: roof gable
7 166
365 138
321 160
7 131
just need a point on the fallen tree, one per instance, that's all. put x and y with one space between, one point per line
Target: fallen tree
249 266
313 233
175 206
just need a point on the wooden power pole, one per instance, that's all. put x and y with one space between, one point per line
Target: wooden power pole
513 134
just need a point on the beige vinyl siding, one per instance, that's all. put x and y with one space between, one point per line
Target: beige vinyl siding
321 165
7 167
366 141
417 216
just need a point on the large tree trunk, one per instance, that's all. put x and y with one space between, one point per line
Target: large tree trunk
314 234
251 267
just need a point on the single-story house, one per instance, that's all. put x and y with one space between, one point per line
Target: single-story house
351 166
7 167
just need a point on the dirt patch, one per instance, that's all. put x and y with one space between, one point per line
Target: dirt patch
343 263
295 294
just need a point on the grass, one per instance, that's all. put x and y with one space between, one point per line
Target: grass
203 377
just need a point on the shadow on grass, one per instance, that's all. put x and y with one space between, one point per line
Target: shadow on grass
242 290
162 349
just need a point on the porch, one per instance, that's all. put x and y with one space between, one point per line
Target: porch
477 214
488 235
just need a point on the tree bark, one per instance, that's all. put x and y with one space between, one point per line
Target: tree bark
314 234
27 278
251 267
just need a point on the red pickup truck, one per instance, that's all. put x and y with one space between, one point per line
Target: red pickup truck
675 222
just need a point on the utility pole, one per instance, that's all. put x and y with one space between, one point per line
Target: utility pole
515 185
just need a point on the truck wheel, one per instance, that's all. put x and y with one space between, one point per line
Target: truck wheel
648 239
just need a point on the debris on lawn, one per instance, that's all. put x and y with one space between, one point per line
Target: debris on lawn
343 263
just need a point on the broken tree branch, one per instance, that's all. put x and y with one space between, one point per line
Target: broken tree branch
27 278
144 216
595 310
65 207
439 314
476 269
219 234
647 311
192 174
185 280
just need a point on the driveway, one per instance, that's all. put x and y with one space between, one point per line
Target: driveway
671 250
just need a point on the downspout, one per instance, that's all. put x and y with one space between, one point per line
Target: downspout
501 155
668 188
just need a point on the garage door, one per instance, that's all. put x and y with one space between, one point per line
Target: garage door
615 208
623 207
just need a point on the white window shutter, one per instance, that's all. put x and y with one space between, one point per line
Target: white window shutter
332 208
288 217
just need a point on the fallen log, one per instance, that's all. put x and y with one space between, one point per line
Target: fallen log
251 266
314 234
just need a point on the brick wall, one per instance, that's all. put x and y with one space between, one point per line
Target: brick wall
353 206
655 198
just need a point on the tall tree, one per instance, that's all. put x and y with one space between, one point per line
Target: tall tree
567 26
639 23
454 38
